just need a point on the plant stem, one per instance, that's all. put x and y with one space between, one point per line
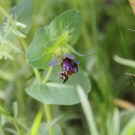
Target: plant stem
6 13
47 107
36 71
24 44
38 76
48 75
17 127
49 117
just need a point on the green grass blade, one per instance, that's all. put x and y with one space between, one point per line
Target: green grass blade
116 122
87 111
36 123
125 62
53 122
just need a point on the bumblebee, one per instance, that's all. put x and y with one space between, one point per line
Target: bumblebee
65 75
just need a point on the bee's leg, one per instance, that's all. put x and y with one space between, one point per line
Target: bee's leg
65 80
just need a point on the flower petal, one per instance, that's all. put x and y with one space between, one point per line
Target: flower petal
75 68
76 61
70 56
67 64
54 62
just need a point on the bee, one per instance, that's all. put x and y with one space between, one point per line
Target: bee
65 75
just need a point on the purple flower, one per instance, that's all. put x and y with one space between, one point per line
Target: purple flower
69 65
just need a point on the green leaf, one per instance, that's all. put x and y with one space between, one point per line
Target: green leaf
41 50
2 120
113 123
36 123
4 112
116 122
56 129
15 109
70 21
44 128
87 111
126 62
22 12
59 93
42 32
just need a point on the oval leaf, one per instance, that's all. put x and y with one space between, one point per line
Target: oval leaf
70 21
59 93
41 50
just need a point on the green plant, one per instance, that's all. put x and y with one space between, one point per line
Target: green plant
40 45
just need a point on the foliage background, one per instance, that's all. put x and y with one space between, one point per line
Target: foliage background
108 28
